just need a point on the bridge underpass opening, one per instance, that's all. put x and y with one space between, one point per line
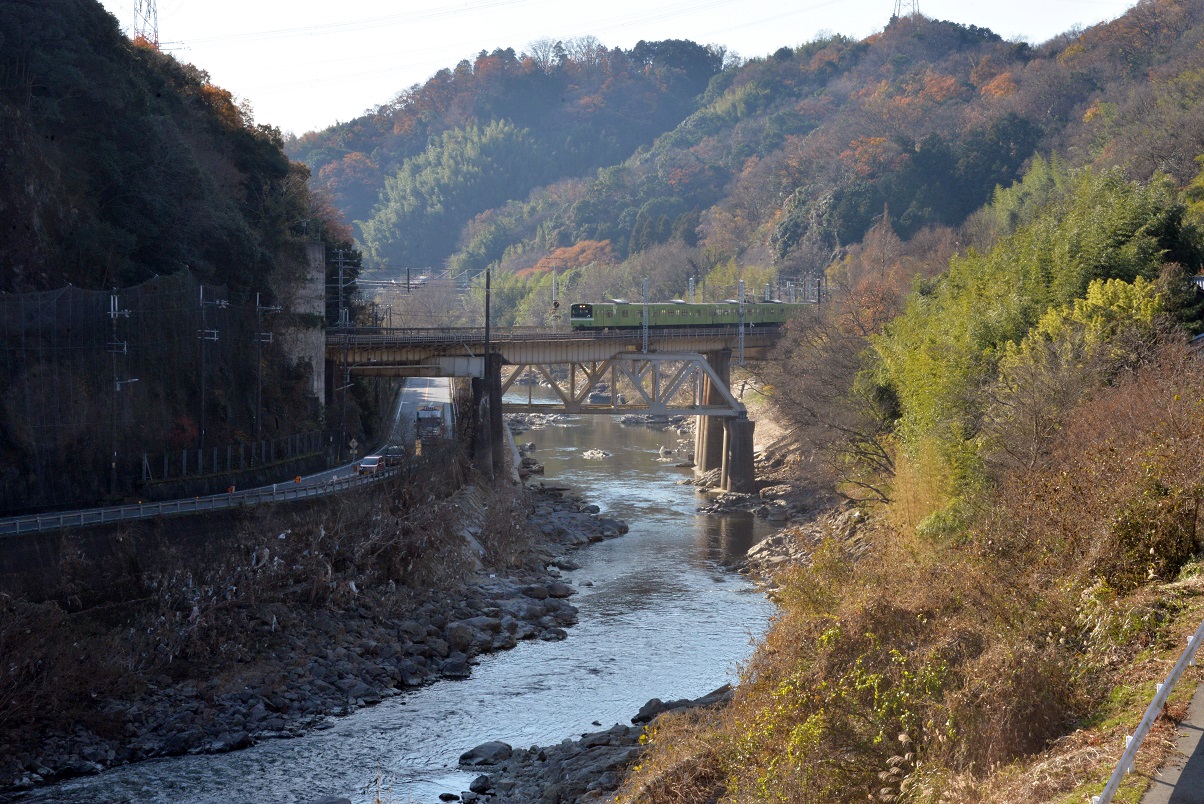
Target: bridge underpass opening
657 384
701 388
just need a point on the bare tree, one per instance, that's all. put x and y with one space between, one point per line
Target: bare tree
822 381
543 53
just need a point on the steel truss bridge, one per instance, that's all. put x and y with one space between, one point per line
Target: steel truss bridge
668 373
681 370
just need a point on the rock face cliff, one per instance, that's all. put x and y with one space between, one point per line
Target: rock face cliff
302 338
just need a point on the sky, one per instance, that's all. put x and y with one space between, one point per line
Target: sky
308 64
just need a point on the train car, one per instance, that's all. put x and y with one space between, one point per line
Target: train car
620 314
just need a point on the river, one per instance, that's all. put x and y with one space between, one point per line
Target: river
660 616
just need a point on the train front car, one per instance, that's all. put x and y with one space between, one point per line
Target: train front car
621 314
581 316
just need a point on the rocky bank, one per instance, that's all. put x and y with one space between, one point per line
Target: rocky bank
588 769
315 664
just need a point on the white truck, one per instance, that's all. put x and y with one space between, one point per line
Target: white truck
430 425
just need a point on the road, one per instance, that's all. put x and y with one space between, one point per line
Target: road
420 391
1181 780
416 391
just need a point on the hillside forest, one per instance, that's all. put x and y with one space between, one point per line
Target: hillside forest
1001 381
1001 384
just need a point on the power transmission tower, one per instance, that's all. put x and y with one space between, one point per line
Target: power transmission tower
906 8
146 22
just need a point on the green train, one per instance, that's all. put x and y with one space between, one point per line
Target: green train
618 314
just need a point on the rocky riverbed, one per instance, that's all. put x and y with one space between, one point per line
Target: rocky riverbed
314 664
588 769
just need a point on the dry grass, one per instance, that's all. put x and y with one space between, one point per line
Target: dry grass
688 770
1000 657
202 614
917 491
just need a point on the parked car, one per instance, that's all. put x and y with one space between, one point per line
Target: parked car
370 465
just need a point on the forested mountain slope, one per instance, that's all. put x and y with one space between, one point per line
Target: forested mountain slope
777 163
131 177
490 130
121 163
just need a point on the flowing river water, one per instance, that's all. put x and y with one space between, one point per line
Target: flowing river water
660 616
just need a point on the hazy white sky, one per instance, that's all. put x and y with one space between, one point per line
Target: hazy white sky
306 64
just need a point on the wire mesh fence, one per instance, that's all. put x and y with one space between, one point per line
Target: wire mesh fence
229 459
93 381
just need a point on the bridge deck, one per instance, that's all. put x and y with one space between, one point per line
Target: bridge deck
402 352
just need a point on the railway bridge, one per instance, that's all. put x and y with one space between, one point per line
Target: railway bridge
658 371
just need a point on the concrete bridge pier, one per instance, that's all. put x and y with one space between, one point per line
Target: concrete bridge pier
482 437
708 432
497 431
489 439
736 472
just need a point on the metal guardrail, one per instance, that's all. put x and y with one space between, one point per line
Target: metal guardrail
1134 740
280 492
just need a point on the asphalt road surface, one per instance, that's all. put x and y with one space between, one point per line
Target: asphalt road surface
415 392
1181 780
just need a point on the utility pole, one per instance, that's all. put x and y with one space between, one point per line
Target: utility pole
340 261
205 334
488 277
261 338
644 324
116 347
740 295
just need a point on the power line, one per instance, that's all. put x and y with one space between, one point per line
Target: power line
362 24
684 9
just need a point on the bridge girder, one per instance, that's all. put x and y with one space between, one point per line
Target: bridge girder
662 383
425 353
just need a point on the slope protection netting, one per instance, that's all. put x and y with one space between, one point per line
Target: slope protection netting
88 375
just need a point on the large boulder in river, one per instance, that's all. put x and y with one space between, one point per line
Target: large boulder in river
618 525
455 667
656 706
560 590
459 636
490 753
